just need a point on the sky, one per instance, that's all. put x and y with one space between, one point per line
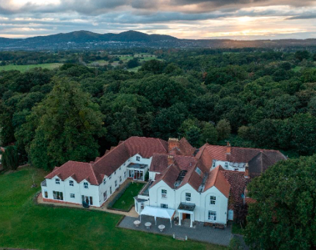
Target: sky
193 19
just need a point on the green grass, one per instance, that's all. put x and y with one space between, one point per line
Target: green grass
24 68
237 229
297 68
126 200
26 225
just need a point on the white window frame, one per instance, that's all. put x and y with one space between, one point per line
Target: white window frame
71 183
188 197
57 181
163 205
104 181
86 185
115 183
164 193
120 178
137 158
210 214
213 200
226 164
72 195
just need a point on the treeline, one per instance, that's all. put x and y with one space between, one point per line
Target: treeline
257 98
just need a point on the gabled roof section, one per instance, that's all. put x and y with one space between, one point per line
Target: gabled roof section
186 148
208 153
217 179
77 170
143 146
169 176
160 162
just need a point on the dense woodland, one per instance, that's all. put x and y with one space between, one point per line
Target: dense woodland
250 98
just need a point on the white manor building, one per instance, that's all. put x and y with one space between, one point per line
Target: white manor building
197 184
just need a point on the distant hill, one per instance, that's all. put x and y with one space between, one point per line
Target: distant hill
131 39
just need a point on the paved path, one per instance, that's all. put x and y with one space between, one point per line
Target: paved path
199 232
131 213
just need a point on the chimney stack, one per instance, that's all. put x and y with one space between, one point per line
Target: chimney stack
173 143
246 171
228 148
170 160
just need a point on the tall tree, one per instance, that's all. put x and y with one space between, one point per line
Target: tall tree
10 158
224 129
284 216
209 134
67 124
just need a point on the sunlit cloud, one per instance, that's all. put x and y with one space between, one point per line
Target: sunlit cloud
193 19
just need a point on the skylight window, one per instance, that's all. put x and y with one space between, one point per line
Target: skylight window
198 171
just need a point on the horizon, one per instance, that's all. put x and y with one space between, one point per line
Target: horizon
215 38
184 19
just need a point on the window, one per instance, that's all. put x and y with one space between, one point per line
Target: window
115 183
125 174
72 195
214 164
226 164
164 193
110 177
110 190
91 201
120 168
45 194
212 200
57 181
188 196
105 195
71 183
104 181
115 172
120 178
85 184
212 215
198 171
142 206
163 205
137 158
58 195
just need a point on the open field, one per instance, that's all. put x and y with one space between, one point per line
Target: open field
26 225
24 68
127 200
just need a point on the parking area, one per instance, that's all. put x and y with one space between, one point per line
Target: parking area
198 232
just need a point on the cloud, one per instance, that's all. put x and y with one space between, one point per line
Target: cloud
182 18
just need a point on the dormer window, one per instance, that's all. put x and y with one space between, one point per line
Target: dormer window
197 170
85 185
71 183
226 164
137 158
214 164
57 181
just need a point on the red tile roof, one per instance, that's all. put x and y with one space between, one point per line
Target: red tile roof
143 146
238 183
208 153
111 161
182 147
217 179
77 170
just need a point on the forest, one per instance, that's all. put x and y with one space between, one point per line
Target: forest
251 98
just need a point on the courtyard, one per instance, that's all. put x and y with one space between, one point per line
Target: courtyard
198 232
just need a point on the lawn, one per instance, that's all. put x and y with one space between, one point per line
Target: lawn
24 68
26 225
126 200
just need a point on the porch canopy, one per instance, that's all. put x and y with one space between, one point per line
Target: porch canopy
165 213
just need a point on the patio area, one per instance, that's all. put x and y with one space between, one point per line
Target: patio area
198 232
